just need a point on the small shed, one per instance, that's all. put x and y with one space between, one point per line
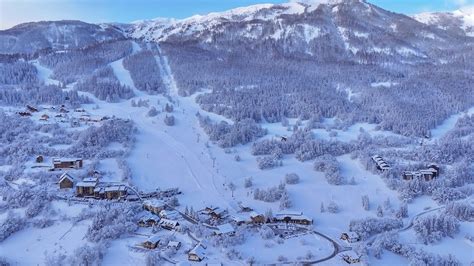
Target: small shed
66 181
85 189
197 253
152 242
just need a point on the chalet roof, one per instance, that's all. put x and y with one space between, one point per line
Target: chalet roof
225 229
154 203
174 244
90 179
293 216
198 251
169 222
154 239
85 184
66 159
66 175
168 214
115 188
99 190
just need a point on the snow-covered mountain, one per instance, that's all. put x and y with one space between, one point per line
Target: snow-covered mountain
34 36
352 29
461 20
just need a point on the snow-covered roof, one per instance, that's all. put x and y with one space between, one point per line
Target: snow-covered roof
353 235
154 239
293 216
174 244
198 250
168 222
115 188
66 175
90 179
225 229
85 184
66 159
154 203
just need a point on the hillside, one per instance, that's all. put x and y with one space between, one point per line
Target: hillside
299 133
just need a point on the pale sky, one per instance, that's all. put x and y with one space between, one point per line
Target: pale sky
13 12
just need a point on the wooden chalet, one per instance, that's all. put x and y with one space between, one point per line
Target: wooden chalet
152 242
350 237
197 253
294 218
66 181
174 245
86 188
169 224
148 220
154 206
67 163
115 192
257 218
215 212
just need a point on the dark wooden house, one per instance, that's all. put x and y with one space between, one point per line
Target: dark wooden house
66 181
67 163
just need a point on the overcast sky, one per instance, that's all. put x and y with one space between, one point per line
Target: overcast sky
13 12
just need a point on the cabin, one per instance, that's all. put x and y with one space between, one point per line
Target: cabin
197 253
381 164
350 237
215 212
154 206
152 242
148 220
240 219
86 188
67 163
294 218
350 257
169 224
31 108
66 181
225 230
174 245
39 159
115 192
63 110
257 218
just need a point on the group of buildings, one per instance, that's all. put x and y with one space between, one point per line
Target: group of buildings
427 174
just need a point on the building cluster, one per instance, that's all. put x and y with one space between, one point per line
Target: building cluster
90 187
428 174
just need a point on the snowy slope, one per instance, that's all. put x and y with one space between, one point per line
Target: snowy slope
462 19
